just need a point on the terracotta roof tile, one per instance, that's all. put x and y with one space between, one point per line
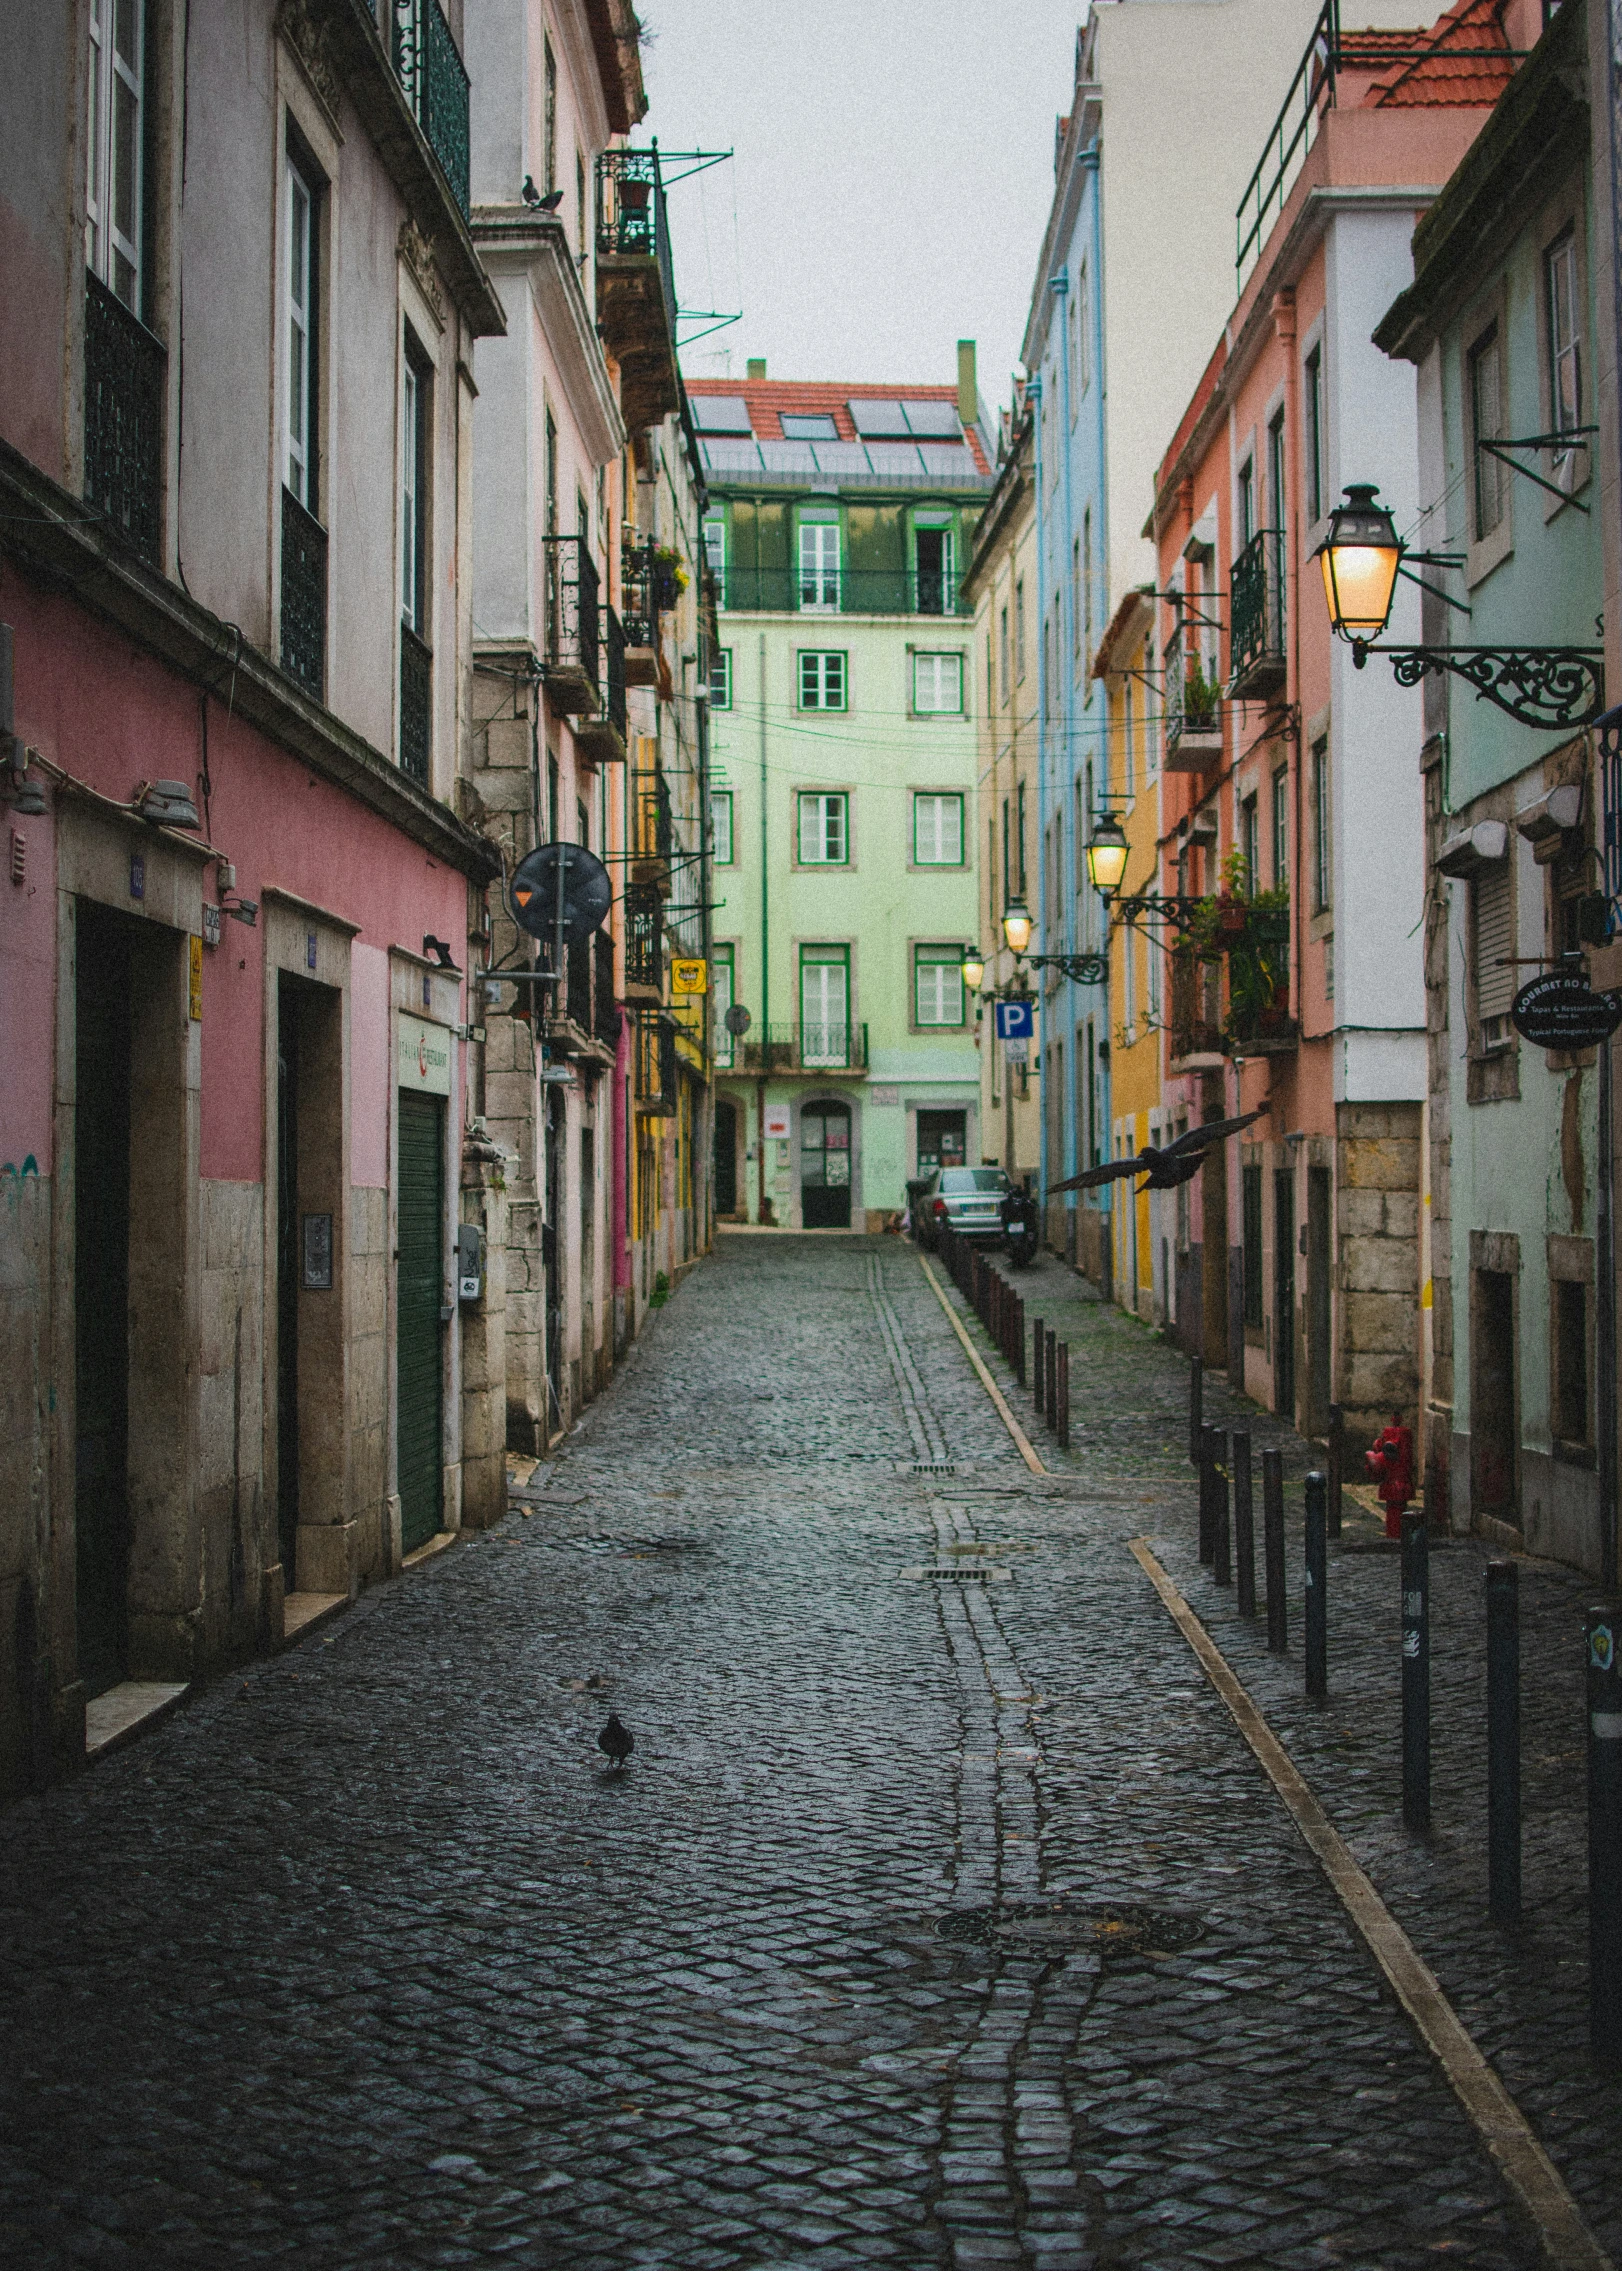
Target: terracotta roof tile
1441 77
768 399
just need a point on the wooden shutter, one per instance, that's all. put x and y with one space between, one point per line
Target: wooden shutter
1494 911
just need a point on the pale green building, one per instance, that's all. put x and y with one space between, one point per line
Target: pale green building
843 746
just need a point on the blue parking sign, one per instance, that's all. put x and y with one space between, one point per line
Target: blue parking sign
1016 1020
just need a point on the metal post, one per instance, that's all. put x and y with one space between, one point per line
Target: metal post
1207 1486
1064 1395
1317 1585
1503 1742
1196 1408
1037 1330
1051 1370
1337 1465
1244 1523
1416 1672
1605 1328
1604 1838
1019 1338
1221 1532
1278 1613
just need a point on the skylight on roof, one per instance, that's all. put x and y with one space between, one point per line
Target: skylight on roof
886 421
721 414
934 421
809 426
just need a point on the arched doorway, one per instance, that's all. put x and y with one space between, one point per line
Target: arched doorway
726 1157
825 1165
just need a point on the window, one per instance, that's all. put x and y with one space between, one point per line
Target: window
1565 347
414 431
300 468
937 985
1281 829
937 830
1250 1182
720 678
715 545
824 1005
822 680
936 579
1075 591
1019 628
937 684
1250 841
1570 1398
579 206
114 188
1486 374
1002 654
1087 581
1276 492
819 566
1007 870
1129 979
1312 411
1247 504
816 427
721 826
549 146
1019 835
722 978
1128 738
1492 942
1320 827
1083 360
824 831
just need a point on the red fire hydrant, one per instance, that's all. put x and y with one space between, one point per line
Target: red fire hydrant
1389 1463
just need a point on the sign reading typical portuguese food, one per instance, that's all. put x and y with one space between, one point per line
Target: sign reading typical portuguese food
1561 1010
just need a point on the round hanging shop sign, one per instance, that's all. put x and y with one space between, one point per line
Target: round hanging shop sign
1561 1010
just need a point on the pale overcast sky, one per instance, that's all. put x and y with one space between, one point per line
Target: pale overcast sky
893 170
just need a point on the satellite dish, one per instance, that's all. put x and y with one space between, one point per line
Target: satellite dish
738 1021
581 877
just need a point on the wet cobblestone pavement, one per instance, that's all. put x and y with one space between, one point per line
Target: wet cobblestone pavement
940 1917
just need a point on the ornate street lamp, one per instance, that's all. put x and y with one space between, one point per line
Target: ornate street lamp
1550 688
974 969
1107 855
1017 926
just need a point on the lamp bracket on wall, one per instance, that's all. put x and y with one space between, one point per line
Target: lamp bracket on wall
1570 439
1550 688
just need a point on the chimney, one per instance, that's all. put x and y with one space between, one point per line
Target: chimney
968 389
755 368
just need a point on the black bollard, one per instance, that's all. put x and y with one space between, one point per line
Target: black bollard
1222 1531
1337 1465
1278 1613
1196 1408
1064 1395
1050 1378
1244 1523
1019 1338
1317 1585
1503 1742
1038 1329
1416 1672
1207 1494
1604 1837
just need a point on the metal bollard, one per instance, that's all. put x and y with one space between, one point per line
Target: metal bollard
1416 1672
1221 1533
1207 1494
1019 1338
1317 1650
1604 1701
1064 1395
1337 1465
1244 1523
1037 1331
1278 1611
1503 1742
1050 1380
1196 1407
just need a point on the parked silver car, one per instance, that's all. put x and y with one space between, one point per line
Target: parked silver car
969 1198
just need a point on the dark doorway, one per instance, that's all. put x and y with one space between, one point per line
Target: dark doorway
552 1259
934 567
726 1159
287 1280
943 1141
1284 1292
1493 1425
106 948
1319 1278
420 1289
825 1166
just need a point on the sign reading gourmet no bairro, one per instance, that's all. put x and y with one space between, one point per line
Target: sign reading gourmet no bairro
1561 1010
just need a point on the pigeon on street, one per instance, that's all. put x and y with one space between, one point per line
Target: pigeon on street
615 1741
1178 1162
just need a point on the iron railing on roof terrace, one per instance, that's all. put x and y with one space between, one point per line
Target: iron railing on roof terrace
124 404
860 591
1330 52
435 81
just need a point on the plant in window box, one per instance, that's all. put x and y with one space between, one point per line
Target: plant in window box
669 577
1200 699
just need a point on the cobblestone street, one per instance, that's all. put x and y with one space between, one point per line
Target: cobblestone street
941 1916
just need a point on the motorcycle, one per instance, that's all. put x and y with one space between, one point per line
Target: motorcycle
1021 1233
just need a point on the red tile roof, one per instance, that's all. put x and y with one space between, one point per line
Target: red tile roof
1452 72
768 399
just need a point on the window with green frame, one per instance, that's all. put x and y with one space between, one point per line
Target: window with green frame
823 679
825 1005
715 546
721 826
722 996
720 678
937 829
823 828
937 985
937 685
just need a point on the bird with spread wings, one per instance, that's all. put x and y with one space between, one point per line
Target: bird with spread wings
1163 1169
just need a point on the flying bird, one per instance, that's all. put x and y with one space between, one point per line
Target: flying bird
615 1741
532 196
1165 1168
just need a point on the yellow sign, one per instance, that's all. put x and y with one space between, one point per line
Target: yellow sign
689 977
196 946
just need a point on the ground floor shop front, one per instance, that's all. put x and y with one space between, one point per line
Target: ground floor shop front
832 1153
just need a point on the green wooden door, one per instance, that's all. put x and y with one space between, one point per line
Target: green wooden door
101 1310
419 1291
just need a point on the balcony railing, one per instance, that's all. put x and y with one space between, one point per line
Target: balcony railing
644 940
816 1047
638 594
776 590
577 957
1191 710
636 286
573 657
124 368
605 1012
656 1063
436 86
614 683
416 705
304 597
1256 657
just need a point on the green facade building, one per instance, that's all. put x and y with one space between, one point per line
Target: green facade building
843 748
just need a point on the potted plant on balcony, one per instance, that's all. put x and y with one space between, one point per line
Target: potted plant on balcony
669 578
1200 713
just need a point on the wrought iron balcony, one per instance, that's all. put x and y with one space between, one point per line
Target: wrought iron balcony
436 86
605 1010
416 705
655 1064
638 596
644 943
813 1048
573 628
304 597
1257 665
1192 712
124 374
602 738
636 287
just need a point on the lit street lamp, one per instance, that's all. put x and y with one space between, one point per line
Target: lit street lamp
1107 854
1017 926
974 969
